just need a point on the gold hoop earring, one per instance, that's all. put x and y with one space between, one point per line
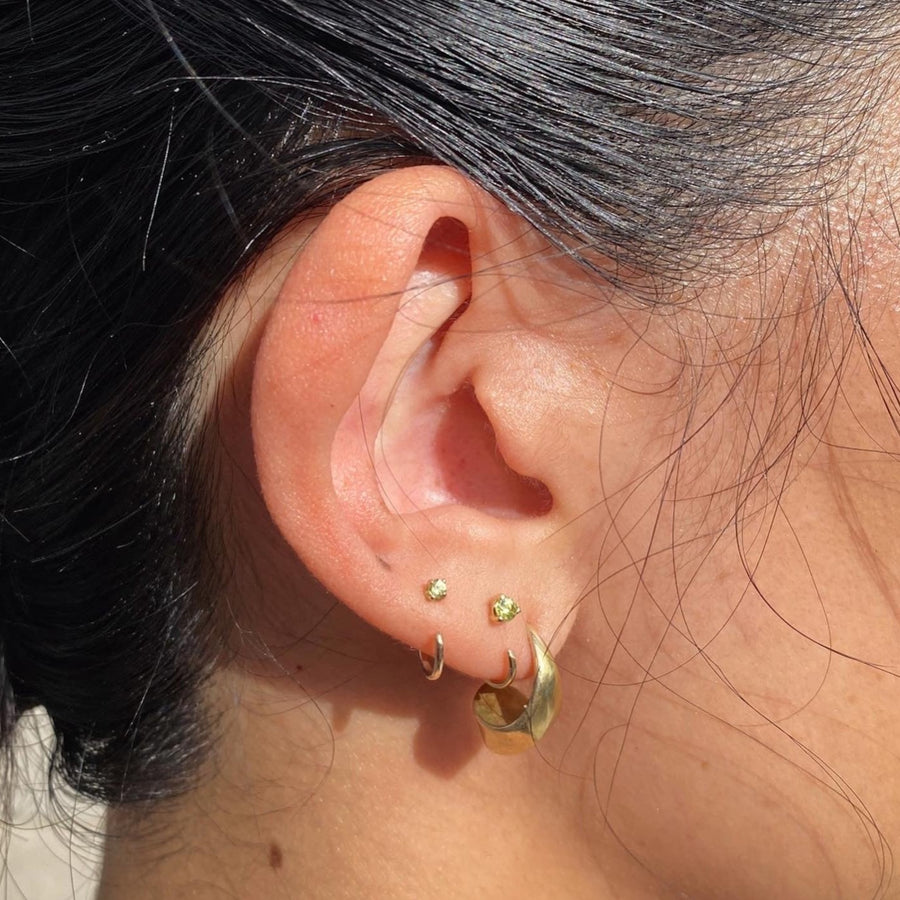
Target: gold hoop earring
510 678
509 722
434 670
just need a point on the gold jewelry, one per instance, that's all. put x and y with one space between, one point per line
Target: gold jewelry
509 722
436 667
504 609
510 678
436 589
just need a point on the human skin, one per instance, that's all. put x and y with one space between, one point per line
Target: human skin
730 694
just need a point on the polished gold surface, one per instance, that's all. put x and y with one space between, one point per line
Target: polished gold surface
435 667
510 722
511 677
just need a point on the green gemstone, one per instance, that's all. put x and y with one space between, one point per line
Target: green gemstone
504 609
436 589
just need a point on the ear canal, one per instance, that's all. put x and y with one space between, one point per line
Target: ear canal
436 445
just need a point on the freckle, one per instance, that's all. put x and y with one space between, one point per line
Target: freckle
276 857
299 667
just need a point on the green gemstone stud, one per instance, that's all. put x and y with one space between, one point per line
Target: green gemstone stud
504 609
436 589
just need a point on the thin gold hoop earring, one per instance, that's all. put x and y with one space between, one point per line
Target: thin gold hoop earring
510 678
510 722
435 668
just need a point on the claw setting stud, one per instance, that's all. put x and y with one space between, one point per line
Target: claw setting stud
504 609
436 589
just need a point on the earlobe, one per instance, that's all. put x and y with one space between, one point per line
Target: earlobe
377 460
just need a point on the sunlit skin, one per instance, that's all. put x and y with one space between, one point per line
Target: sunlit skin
486 412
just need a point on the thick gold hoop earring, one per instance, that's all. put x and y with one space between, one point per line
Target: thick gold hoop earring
510 722
434 669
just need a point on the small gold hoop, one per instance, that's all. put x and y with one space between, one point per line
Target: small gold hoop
434 669
510 722
510 678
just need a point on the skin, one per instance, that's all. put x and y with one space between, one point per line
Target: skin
722 736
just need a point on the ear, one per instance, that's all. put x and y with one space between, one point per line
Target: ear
407 425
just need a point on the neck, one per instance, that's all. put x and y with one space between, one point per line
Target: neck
349 794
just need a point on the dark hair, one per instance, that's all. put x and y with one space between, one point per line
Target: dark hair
149 152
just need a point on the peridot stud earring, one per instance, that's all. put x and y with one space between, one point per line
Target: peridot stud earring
436 589
504 609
